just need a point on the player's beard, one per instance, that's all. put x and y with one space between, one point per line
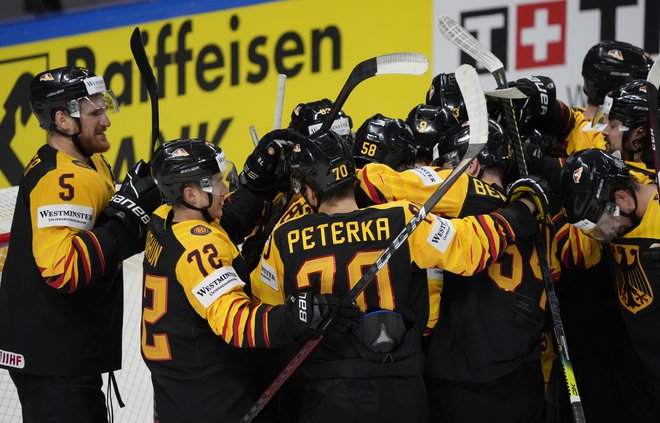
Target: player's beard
94 140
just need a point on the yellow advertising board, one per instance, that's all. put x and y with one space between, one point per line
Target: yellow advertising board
217 72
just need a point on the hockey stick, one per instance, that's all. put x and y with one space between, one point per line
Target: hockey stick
253 135
654 74
652 101
512 93
388 64
475 103
461 38
279 101
142 62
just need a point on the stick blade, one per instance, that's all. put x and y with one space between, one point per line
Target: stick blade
475 103
460 37
401 63
511 93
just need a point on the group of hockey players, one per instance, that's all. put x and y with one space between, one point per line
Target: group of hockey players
241 269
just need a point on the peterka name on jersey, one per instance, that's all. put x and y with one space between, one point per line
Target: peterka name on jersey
71 215
427 175
441 234
216 284
336 233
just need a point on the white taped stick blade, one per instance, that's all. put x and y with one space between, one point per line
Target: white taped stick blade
512 93
401 63
654 73
461 38
475 103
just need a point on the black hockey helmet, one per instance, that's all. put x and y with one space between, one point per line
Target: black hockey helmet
322 162
445 92
188 160
307 118
610 64
629 104
428 123
588 181
384 140
453 145
62 89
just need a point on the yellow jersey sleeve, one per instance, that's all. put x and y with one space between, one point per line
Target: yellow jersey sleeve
383 184
64 203
581 138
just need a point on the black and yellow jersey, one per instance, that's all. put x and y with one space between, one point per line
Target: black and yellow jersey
637 286
194 315
194 307
61 292
635 282
505 301
329 254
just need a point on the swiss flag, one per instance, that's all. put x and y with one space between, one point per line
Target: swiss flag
541 34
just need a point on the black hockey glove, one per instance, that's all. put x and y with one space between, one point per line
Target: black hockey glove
542 95
535 189
132 205
265 170
320 313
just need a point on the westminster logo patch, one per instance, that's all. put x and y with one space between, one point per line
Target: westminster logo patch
632 285
200 230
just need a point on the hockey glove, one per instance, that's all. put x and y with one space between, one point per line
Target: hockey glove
265 171
542 95
320 313
132 205
535 189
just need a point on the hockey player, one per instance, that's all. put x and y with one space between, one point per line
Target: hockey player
606 66
466 361
445 92
307 118
627 130
384 140
381 363
194 309
428 123
600 197
62 288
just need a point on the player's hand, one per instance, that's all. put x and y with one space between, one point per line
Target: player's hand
309 312
541 93
536 190
135 200
265 170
